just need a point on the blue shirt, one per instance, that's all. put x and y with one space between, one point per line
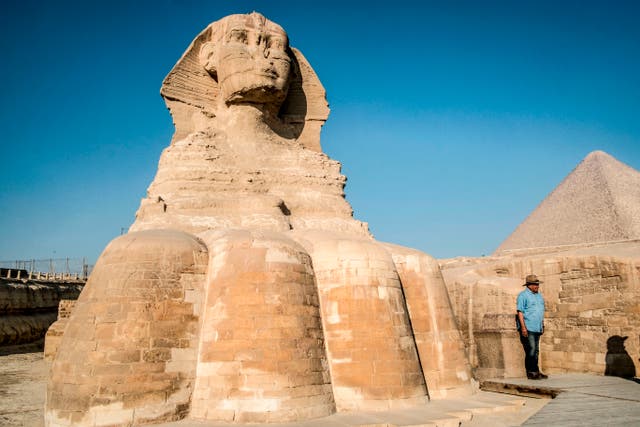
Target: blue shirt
532 307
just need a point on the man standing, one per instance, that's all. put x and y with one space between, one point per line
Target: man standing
530 306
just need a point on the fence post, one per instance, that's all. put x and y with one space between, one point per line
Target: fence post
36 269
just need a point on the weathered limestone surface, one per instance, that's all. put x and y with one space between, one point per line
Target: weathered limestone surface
129 351
245 290
580 239
371 350
444 361
592 296
56 330
261 356
246 152
599 201
28 308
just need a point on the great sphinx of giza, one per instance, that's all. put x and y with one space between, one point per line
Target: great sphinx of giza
245 290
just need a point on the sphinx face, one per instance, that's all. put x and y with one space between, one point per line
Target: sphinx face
253 62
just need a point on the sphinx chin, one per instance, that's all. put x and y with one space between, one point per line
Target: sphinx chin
257 94
248 291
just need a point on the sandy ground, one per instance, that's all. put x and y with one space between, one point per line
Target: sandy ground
23 374
22 388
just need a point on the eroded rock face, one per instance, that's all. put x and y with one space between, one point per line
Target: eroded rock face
296 311
246 153
128 354
28 308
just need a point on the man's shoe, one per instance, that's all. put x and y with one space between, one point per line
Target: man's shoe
533 375
542 376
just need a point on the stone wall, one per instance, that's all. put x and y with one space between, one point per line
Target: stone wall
28 308
56 330
592 299
442 354
261 353
133 342
597 301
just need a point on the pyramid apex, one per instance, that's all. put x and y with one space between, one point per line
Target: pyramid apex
599 201
598 154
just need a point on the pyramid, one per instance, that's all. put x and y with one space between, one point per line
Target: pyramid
599 201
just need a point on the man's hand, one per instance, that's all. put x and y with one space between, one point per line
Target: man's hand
523 328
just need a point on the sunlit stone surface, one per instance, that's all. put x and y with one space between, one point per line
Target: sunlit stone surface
583 242
245 290
599 201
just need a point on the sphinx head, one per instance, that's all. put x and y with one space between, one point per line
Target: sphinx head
249 57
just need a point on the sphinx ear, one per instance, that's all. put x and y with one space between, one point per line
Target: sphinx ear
209 59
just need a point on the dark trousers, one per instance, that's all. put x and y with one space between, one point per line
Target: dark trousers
531 346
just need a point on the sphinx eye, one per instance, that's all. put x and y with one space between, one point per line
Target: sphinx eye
275 43
237 36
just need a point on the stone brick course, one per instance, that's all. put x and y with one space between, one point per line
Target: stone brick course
591 296
261 354
294 310
115 363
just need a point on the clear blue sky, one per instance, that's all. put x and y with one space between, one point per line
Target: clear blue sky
452 120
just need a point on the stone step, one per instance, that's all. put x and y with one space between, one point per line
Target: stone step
437 413
527 390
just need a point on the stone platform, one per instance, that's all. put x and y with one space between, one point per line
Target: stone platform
481 409
23 385
580 400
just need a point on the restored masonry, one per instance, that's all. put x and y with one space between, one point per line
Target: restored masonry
245 290
591 294
582 240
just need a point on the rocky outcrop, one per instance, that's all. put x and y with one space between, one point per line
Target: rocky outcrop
29 307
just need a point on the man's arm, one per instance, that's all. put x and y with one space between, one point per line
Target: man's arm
523 328
521 305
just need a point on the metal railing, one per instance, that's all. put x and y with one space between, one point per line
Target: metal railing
51 268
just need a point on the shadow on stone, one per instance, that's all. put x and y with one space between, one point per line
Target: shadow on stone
33 347
619 363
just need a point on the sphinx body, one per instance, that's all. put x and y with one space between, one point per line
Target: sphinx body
245 290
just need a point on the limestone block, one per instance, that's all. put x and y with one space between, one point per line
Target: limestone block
498 347
56 330
246 152
442 354
262 356
116 352
590 295
370 345
301 311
